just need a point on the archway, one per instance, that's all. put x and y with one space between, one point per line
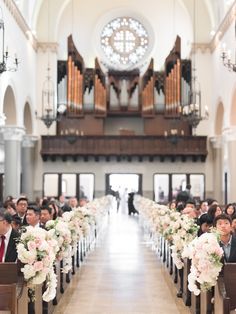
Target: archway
233 110
9 107
219 119
28 119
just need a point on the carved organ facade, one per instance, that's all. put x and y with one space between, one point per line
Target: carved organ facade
91 96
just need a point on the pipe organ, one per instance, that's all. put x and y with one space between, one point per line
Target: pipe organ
75 72
159 93
147 94
89 93
99 90
123 91
177 81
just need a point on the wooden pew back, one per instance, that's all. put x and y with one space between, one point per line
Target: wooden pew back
230 280
8 273
8 298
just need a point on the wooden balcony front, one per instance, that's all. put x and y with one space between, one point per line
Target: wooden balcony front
124 147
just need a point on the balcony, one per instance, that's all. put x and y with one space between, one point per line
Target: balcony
124 147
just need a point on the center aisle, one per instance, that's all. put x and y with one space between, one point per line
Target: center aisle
121 276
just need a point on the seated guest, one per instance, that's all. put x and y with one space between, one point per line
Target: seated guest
33 216
66 208
16 223
203 208
190 209
214 211
230 210
83 202
8 238
46 215
204 222
10 207
21 207
212 201
73 202
234 224
56 211
172 205
223 224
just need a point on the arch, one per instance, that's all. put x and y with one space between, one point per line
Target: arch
39 9
9 106
233 110
219 119
27 119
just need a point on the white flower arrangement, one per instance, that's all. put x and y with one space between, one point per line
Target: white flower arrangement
185 232
59 231
37 252
205 253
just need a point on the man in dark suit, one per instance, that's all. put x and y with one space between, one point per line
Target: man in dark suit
8 238
21 208
223 224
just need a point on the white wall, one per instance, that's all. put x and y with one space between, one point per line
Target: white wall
23 81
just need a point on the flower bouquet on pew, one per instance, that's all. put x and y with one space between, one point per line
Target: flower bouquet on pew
73 223
205 254
59 231
185 231
36 250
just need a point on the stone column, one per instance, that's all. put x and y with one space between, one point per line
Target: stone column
231 165
216 143
12 136
28 163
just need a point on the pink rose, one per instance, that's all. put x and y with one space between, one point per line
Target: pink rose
31 245
38 242
38 266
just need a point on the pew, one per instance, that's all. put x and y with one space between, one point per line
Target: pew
195 304
8 298
225 292
186 292
13 291
206 306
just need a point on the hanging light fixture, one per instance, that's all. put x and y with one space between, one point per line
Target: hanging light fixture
193 112
226 56
4 55
50 112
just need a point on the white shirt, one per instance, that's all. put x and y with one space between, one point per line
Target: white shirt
7 238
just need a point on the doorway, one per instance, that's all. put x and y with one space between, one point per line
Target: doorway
124 184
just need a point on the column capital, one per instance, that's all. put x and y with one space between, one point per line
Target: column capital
12 133
2 119
229 134
216 141
29 140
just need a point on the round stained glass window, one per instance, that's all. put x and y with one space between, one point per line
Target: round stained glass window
124 41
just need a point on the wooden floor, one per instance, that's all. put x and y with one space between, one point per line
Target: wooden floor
122 275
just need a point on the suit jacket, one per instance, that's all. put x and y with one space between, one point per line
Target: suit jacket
11 253
232 255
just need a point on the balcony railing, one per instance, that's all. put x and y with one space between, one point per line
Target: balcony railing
124 147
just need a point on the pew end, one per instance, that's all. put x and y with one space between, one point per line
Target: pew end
225 292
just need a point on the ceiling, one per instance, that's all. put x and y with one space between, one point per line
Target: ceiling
208 13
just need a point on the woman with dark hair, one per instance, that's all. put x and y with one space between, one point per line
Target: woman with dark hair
230 209
214 211
204 222
56 212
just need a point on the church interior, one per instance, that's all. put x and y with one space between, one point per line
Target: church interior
107 101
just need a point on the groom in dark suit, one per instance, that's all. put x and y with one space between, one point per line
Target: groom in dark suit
8 238
223 224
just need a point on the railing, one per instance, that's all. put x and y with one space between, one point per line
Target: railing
124 146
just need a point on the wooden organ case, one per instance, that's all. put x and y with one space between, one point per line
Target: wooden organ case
156 98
